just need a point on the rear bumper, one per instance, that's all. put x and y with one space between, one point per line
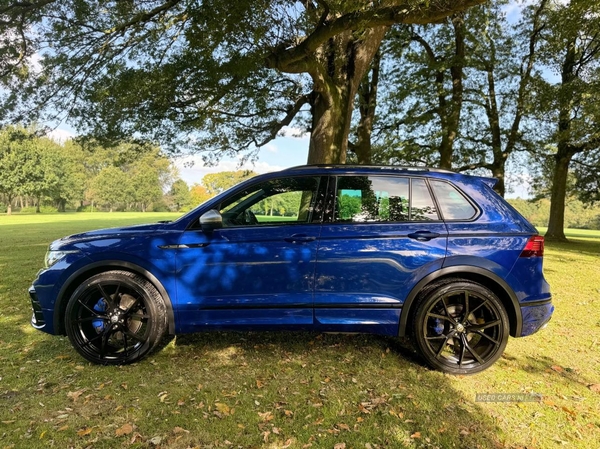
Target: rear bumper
535 317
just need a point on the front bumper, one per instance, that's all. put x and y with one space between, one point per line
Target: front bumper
38 320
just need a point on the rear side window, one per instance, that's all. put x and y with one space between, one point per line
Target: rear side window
452 202
383 199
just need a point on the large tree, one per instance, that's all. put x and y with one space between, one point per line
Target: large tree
569 100
211 75
463 90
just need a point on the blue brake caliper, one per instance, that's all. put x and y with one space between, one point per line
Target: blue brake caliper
101 308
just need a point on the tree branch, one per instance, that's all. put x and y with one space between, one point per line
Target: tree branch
282 58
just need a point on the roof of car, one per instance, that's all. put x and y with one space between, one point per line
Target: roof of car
367 169
343 167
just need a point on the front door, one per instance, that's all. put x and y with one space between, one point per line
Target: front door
258 270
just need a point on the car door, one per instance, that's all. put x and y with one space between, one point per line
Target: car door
384 235
258 269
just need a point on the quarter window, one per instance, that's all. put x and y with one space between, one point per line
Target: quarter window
383 199
452 202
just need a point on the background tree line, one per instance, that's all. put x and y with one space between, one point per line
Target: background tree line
372 82
36 171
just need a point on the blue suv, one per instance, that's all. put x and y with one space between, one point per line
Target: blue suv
430 254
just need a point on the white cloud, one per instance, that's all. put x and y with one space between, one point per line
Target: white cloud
60 135
294 133
271 148
193 174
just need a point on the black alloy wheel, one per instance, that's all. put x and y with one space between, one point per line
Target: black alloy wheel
115 318
460 327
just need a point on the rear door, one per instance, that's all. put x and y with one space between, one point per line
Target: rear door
383 235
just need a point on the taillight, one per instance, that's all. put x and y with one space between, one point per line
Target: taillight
534 247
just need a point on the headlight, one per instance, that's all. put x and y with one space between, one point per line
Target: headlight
54 256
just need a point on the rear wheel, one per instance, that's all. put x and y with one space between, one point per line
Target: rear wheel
460 327
115 318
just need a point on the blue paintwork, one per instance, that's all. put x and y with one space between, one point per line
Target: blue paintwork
335 277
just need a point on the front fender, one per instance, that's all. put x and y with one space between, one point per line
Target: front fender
164 282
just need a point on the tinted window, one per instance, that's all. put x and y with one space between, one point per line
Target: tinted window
422 205
383 199
287 200
452 202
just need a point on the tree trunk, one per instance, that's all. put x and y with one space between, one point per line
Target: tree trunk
556 224
565 151
37 205
337 73
452 111
367 104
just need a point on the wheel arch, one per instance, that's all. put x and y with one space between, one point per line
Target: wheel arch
75 279
484 277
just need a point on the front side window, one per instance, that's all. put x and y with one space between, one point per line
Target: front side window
286 200
383 199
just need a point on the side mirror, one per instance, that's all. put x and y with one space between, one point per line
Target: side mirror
211 220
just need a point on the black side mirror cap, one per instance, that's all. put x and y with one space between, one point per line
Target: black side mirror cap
211 220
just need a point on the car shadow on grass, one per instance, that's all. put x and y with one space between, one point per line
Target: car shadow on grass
375 386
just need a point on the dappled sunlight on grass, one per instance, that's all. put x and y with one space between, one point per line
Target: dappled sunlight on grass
296 390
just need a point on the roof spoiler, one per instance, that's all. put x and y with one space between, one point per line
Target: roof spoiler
490 182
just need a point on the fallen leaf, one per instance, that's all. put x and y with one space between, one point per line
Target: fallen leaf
339 446
63 428
85 431
178 429
74 395
265 435
223 408
556 368
259 384
595 388
275 430
416 435
569 411
266 416
344 426
125 429
287 444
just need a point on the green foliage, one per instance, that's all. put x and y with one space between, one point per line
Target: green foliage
181 199
578 215
216 183
349 206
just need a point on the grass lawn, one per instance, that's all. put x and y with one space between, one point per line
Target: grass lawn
279 390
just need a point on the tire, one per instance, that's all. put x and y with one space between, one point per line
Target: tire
460 327
115 318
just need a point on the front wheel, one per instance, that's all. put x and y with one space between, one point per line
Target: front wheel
115 318
460 327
